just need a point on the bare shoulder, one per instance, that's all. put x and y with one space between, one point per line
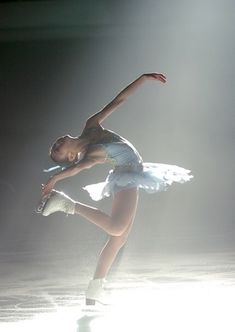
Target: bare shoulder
97 134
91 126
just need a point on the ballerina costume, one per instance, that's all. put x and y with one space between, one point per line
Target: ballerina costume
130 171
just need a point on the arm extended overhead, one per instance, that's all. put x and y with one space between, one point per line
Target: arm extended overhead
100 116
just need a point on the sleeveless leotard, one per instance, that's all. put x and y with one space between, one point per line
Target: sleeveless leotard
130 171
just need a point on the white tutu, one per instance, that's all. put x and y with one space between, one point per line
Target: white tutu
154 177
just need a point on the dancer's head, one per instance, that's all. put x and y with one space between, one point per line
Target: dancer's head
64 150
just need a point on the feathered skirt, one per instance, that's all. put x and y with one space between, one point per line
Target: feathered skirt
152 177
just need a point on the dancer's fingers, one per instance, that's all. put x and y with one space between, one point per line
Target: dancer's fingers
45 192
47 188
161 78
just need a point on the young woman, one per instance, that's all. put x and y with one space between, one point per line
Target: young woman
97 145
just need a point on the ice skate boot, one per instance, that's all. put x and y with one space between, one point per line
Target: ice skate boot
56 201
96 293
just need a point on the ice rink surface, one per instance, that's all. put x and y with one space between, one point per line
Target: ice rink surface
45 292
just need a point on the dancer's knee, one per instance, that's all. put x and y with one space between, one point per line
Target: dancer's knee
118 227
118 241
116 230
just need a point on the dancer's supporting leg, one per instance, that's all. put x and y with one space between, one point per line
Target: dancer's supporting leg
115 243
124 206
118 226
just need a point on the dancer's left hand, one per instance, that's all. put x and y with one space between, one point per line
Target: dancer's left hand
156 76
47 188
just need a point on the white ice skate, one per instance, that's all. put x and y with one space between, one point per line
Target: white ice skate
56 201
96 293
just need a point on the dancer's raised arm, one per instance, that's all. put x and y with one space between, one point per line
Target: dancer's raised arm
100 116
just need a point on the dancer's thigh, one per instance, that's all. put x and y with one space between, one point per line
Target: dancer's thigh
124 207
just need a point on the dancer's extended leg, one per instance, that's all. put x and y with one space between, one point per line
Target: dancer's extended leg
124 205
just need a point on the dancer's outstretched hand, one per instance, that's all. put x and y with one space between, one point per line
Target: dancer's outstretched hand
156 76
47 188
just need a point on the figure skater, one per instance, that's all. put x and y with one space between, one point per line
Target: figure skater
97 145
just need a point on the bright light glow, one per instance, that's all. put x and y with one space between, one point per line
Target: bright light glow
191 306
